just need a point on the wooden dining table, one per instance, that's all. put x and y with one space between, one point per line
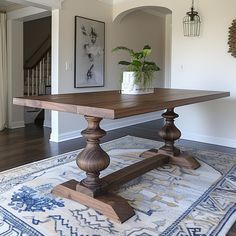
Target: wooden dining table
96 192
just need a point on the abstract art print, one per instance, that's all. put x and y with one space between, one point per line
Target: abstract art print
89 52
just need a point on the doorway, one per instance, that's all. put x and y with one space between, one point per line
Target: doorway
37 65
17 62
148 25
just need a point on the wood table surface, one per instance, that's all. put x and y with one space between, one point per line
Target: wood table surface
113 104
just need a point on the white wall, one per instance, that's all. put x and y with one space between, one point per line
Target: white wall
15 72
210 67
134 31
201 63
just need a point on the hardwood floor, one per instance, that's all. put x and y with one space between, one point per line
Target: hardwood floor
29 144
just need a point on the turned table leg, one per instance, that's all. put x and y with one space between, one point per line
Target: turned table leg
170 133
93 158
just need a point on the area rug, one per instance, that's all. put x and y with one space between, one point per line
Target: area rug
168 201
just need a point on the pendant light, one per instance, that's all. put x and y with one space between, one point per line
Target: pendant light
191 23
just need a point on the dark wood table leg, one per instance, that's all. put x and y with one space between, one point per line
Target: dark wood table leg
93 158
94 191
170 133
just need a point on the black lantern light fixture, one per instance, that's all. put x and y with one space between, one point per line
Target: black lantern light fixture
192 23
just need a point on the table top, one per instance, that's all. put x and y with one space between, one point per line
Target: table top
113 104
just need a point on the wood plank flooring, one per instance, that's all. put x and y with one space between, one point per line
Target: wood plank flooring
29 144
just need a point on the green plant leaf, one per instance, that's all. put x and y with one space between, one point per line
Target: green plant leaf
146 47
124 63
151 66
137 56
136 63
146 50
149 63
123 48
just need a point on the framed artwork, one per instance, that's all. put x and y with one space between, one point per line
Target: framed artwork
89 52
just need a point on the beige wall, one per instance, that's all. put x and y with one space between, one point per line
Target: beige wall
135 30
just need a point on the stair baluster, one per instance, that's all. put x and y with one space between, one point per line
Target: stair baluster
47 78
38 79
28 82
32 92
43 76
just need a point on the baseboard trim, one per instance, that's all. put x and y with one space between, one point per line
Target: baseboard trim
16 125
209 139
54 138
115 124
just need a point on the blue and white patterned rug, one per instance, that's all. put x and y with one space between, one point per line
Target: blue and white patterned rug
167 201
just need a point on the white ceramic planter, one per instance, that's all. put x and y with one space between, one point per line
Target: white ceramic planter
129 87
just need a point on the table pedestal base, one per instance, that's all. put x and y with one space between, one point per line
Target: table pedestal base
94 191
170 133
183 159
109 204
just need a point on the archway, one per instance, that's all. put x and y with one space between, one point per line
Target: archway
164 19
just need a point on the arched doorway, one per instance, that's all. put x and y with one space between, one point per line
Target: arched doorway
154 24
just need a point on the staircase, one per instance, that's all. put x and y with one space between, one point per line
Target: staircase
37 79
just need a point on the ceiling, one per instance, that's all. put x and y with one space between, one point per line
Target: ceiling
8 6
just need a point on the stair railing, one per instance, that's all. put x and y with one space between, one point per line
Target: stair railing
38 70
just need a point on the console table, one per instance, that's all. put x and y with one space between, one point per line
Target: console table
96 192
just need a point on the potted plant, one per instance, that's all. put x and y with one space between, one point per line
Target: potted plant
140 73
